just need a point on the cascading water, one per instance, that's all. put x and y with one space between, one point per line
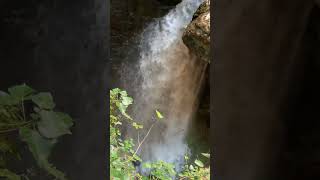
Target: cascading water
168 78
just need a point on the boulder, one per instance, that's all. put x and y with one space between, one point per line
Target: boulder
197 34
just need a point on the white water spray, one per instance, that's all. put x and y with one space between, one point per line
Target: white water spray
168 79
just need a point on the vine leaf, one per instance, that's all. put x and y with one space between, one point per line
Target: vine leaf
41 150
6 99
54 124
20 91
38 146
44 100
207 155
127 100
159 115
9 175
198 163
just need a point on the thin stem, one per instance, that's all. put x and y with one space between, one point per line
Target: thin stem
15 129
143 139
23 113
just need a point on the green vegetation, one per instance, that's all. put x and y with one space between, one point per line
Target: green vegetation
122 153
28 121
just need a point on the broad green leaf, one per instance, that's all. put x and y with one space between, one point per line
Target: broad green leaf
6 99
126 177
191 168
38 146
124 93
5 173
207 155
114 91
20 91
198 163
127 101
122 108
41 150
54 124
5 145
44 100
147 165
65 118
159 115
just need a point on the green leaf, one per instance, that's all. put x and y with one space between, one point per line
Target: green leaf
5 146
20 91
137 126
122 108
41 150
198 163
191 168
147 165
207 155
54 124
159 115
127 101
44 100
6 99
5 173
124 93
114 91
38 146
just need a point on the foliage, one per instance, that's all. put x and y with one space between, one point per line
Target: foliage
160 170
29 116
122 153
196 170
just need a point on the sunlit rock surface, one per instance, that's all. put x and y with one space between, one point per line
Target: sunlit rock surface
197 34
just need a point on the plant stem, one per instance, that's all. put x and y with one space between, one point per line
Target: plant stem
14 129
23 113
144 138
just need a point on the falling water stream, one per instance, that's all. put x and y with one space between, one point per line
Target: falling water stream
167 78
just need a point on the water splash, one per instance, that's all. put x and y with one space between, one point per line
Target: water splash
168 78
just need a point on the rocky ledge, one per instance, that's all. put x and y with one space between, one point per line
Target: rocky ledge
197 34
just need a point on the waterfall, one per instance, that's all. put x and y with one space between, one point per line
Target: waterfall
167 78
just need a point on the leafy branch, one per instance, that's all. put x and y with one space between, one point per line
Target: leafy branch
31 116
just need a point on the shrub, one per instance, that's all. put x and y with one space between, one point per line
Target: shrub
28 117
122 152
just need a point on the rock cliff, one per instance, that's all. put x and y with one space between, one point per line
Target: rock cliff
197 34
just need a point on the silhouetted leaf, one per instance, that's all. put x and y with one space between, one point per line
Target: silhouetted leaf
54 124
38 146
41 150
20 91
44 100
5 173
6 99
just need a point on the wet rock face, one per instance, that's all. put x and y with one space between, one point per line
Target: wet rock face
197 34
